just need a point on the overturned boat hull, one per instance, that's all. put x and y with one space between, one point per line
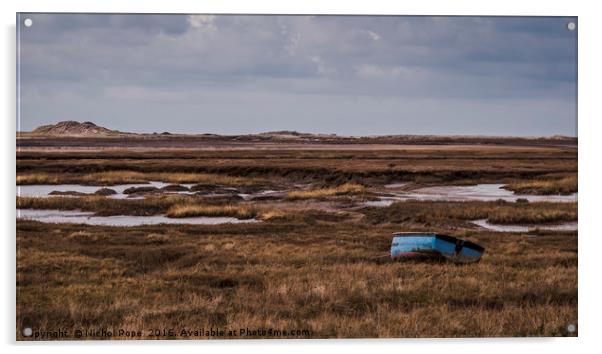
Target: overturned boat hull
434 246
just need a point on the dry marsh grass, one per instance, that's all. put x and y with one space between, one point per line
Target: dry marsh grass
447 165
239 211
533 216
343 189
318 277
563 185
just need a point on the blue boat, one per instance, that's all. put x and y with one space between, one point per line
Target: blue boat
412 245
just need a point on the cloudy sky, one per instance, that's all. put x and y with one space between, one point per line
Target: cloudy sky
350 75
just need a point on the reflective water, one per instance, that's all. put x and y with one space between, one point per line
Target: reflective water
568 226
44 190
479 192
80 217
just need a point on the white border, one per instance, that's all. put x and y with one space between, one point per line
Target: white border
589 166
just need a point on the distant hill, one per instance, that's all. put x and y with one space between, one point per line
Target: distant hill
73 128
71 131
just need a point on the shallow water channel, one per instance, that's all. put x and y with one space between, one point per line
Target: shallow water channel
81 217
44 190
567 226
479 192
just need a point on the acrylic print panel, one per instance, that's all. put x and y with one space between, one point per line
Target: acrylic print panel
299 177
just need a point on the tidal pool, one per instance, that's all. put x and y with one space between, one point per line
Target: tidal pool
567 226
479 192
81 217
44 190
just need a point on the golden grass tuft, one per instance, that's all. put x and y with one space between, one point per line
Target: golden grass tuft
343 189
237 211
192 210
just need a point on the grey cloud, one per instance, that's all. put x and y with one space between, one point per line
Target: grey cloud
61 23
187 62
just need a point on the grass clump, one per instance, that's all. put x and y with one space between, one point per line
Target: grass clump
240 211
192 210
343 189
